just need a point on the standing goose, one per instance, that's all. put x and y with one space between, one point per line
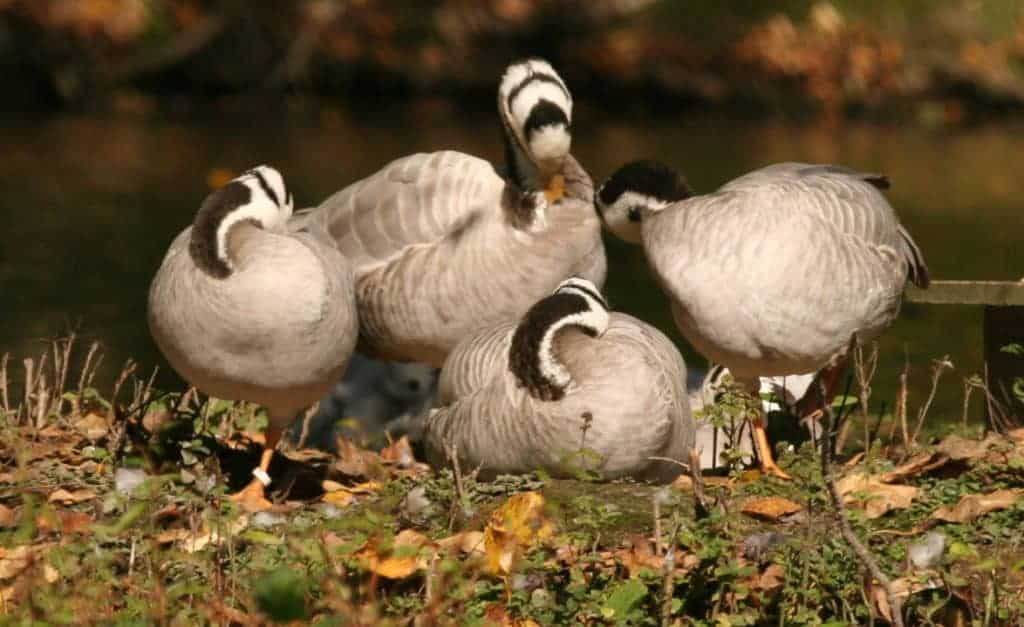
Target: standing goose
777 271
569 386
441 243
246 309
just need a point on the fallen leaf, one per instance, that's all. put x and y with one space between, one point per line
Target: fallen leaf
875 497
959 448
497 615
93 426
7 517
468 542
771 508
219 177
354 461
195 542
902 587
63 521
400 453
514 527
771 580
404 558
50 574
639 556
974 505
341 498
14 561
917 465
69 498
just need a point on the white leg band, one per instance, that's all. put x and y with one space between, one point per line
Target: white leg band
260 474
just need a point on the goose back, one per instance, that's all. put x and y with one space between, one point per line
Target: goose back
278 331
627 403
441 245
774 273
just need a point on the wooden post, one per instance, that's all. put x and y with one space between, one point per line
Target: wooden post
1004 325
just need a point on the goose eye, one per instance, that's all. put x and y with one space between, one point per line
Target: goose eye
634 214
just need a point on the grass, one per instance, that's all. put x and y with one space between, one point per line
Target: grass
74 548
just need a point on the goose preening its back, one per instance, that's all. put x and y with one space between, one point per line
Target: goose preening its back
777 271
570 386
244 308
441 243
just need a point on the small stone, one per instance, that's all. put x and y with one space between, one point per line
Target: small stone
329 510
927 551
127 479
416 501
266 519
756 545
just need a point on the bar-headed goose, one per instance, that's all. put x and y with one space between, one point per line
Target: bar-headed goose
567 387
246 309
441 243
774 273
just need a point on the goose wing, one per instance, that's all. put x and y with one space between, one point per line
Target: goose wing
850 201
413 201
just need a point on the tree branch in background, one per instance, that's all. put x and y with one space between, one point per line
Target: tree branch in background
185 45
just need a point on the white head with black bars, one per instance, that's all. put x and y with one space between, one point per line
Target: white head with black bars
575 303
634 190
536 108
258 197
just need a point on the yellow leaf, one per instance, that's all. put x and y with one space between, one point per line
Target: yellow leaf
404 558
974 505
340 498
514 527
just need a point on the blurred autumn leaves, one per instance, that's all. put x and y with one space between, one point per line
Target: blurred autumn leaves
833 56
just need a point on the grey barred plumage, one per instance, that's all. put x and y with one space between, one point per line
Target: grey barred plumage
442 244
625 402
777 271
279 327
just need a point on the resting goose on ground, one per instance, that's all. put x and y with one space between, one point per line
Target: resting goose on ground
246 309
777 271
441 243
567 387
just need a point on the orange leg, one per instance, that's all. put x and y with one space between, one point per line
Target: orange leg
764 449
252 497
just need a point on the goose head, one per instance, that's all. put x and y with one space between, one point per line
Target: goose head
577 303
258 197
536 110
635 190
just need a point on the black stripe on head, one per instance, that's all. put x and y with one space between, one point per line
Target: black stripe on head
648 178
544 113
586 290
535 77
202 246
524 357
267 189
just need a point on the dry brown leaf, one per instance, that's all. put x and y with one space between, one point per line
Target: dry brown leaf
193 543
400 452
498 615
917 465
771 508
638 556
7 477
63 521
405 557
50 574
974 505
92 425
468 542
875 497
515 526
771 580
353 460
65 497
13 561
7 517
902 587
1017 435
960 448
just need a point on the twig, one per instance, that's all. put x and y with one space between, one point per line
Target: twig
4 398
692 469
901 404
668 577
938 367
460 493
864 370
861 551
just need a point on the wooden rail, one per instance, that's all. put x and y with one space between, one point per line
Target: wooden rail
1003 324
